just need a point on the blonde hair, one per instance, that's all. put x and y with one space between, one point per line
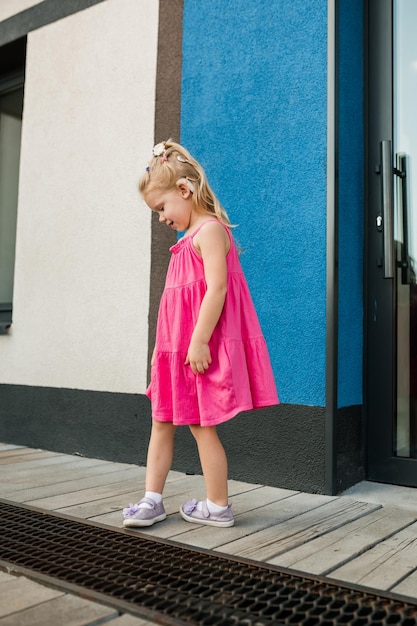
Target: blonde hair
170 163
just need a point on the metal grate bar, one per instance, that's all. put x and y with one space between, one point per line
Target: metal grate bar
173 584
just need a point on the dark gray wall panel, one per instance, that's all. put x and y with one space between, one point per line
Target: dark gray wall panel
281 446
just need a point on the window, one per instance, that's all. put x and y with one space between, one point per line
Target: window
11 109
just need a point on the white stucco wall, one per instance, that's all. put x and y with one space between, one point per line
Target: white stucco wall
82 274
11 7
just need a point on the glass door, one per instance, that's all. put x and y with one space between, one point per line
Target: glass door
391 324
405 233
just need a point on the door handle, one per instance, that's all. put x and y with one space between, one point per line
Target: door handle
387 202
401 171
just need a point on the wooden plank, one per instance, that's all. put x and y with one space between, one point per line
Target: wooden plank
248 519
26 457
244 497
38 463
17 594
384 565
86 477
10 446
408 586
108 476
41 482
100 507
113 519
116 502
67 609
4 576
90 494
296 531
176 494
328 552
130 620
104 486
16 451
43 475
52 465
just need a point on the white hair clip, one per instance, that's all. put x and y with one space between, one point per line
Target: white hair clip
159 149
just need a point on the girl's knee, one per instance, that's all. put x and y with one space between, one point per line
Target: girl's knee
200 432
163 428
194 429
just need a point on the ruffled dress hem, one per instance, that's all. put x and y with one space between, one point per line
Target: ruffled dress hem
214 421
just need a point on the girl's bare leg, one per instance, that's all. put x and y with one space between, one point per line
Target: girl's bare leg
213 463
160 455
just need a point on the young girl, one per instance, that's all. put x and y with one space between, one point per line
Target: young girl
210 360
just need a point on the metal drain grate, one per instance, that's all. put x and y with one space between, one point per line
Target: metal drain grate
171 584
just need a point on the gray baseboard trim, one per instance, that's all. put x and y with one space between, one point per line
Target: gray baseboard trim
350 447
94 424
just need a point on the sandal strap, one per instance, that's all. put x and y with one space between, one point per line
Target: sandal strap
204 509
146 500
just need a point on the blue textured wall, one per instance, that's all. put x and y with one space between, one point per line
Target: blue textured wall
351 176
253 111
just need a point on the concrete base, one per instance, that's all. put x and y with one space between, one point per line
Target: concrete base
386 495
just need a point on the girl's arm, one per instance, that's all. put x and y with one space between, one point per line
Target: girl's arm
212 242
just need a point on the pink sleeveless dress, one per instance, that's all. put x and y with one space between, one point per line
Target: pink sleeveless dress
240 376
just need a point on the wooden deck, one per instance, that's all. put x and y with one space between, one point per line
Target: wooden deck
353 541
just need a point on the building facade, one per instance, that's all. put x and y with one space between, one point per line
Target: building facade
273 99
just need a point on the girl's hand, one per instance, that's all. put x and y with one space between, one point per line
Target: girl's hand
198 357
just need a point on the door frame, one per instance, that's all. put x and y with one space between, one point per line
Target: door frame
380 315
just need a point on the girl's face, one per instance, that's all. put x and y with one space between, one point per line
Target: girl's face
174 207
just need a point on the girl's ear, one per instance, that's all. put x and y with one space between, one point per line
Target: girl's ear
185 187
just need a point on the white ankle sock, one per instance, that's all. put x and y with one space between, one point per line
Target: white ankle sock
215 508
156 497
